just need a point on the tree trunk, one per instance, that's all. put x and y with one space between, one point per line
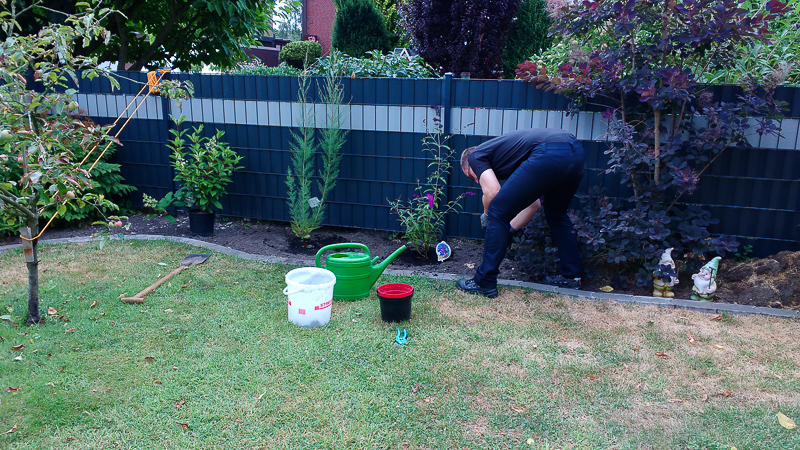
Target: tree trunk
32 261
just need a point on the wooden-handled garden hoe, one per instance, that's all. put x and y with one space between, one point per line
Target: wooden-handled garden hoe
185 263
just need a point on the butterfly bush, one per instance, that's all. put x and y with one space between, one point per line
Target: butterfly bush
422 216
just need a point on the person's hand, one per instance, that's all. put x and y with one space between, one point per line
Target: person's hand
484 220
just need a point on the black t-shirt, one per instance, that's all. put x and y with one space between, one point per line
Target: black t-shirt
505 153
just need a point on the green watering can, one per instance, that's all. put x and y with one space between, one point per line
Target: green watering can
355 272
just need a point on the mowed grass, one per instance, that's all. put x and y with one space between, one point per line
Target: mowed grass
211 361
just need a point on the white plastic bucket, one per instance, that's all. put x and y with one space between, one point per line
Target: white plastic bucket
310 291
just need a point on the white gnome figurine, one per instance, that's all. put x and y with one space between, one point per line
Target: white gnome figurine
705 281
662 285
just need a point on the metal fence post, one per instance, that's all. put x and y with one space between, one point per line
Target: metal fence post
447 107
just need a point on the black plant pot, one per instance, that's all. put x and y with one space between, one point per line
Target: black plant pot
201 223
395 302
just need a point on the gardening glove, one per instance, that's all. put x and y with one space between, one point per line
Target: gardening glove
484 220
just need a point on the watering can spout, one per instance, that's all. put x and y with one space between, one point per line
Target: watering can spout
377 270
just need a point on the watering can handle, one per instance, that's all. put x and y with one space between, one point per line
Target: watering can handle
334 246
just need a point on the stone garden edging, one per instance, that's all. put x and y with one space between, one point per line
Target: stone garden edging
708 307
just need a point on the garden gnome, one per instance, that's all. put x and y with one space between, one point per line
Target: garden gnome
705 281
662 285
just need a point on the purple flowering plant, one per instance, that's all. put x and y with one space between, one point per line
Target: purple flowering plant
422 216
664 128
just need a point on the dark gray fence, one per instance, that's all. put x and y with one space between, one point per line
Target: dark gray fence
754 193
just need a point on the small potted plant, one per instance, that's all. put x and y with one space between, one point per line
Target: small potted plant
203 167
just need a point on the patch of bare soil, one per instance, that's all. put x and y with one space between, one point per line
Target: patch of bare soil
773 282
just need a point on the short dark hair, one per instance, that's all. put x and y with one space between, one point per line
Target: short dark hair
465 158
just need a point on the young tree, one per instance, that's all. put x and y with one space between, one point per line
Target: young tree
176 33
528 35
306 210
460 35
359 28
38 128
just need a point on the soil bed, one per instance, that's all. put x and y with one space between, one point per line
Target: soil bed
773 281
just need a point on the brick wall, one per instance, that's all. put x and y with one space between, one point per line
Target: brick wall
319 16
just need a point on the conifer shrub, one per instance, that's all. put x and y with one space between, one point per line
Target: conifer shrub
300 54
359 28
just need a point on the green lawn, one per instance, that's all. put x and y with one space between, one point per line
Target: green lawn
213 349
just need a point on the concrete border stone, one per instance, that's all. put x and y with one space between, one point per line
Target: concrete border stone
672 303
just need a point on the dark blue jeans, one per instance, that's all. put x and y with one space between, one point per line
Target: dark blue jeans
553 173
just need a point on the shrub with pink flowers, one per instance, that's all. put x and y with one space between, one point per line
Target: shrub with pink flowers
422 216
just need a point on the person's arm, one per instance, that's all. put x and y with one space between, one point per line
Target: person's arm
490 187
525 215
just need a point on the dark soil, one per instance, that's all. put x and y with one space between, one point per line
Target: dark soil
773 282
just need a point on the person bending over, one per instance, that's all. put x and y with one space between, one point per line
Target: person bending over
542 167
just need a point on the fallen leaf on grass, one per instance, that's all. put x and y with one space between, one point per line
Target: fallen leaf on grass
592 377
71 439
5 317
636 349
718 347
11 389
51 384
18 358
519 409
13 429
168 310
17 348
717 317
71 330
87 413
786 422
149 358
662 355
158 383
180 402
52 311
674 400
704 398
606 289
184 425
723 394
94 303
415 387
691 339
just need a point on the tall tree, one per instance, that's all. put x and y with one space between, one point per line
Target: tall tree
290 25
528 35
359 28
174 33
460 35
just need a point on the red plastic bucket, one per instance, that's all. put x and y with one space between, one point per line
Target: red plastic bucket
395 301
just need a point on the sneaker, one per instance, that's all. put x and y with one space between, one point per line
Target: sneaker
560 281
471 287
